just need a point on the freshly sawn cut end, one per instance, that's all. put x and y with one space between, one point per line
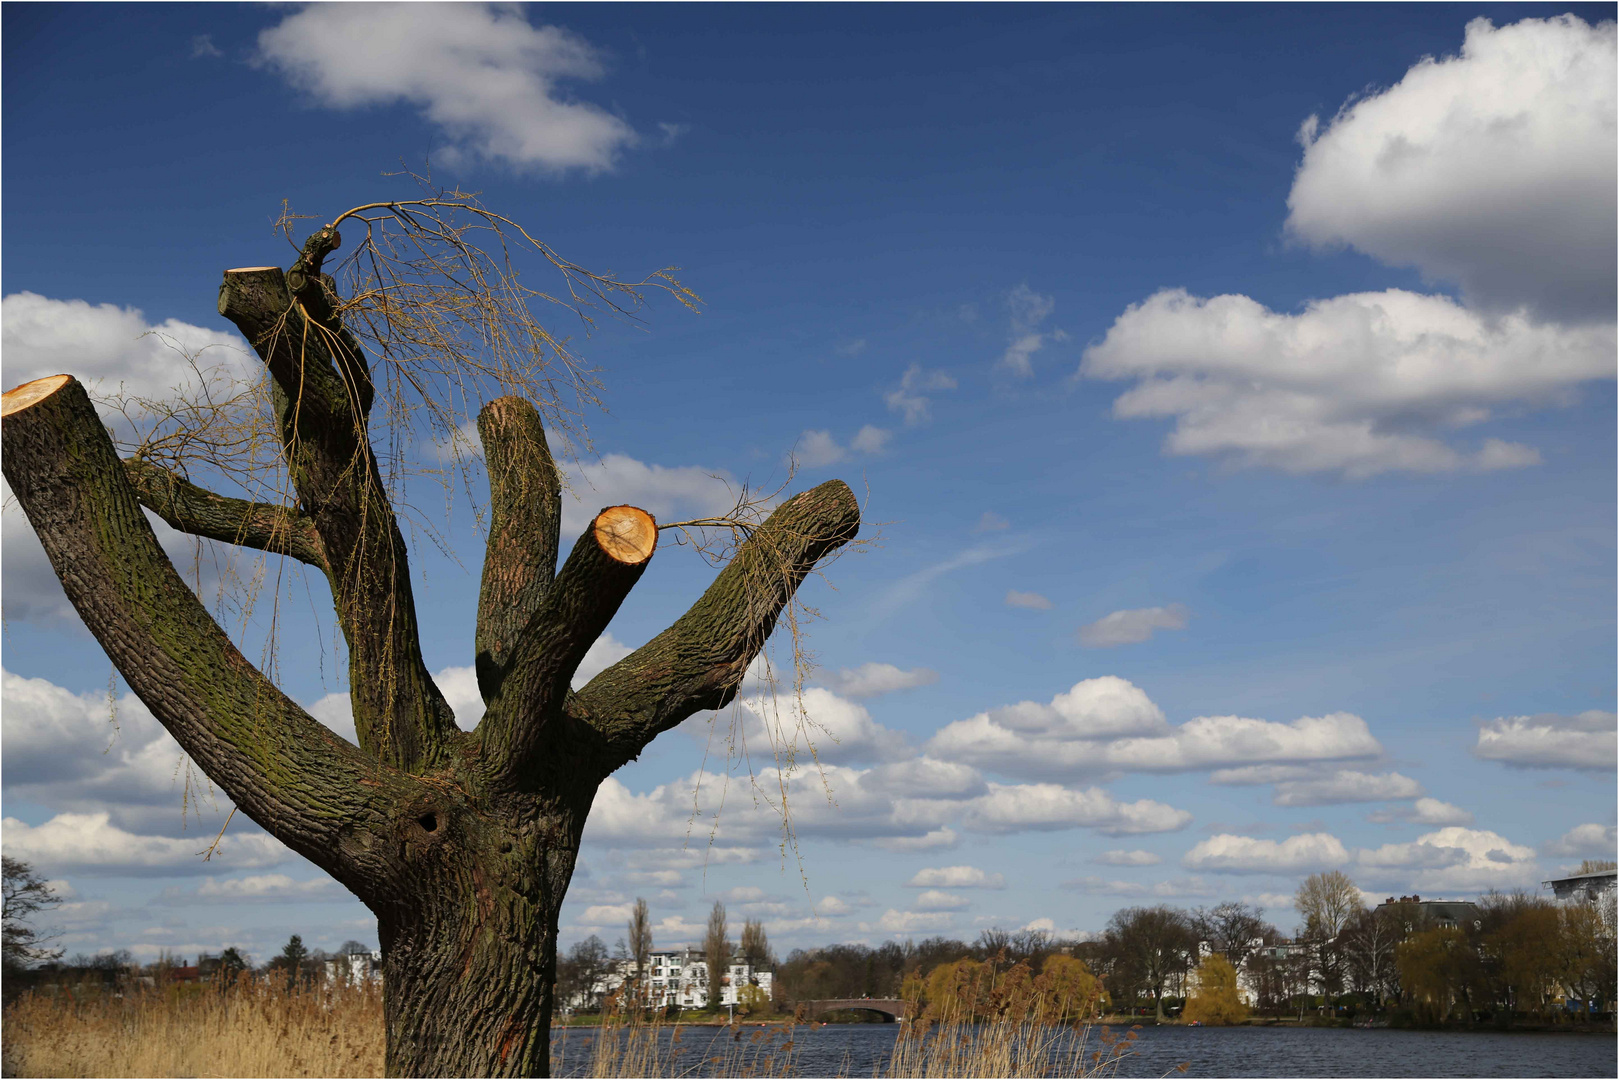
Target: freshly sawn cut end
20 397
627 533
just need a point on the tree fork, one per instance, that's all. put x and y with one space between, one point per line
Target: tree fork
605 564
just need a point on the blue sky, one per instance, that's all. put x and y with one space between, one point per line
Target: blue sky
1234 388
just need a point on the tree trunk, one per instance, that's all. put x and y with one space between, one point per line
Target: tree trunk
470 972
461 843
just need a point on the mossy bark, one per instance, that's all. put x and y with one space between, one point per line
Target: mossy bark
461 843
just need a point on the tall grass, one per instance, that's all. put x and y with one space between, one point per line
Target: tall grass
630 1045
259 1029
250 1029
985 1020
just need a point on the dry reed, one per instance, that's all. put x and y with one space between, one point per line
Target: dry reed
258 1029
251 1029
631 1046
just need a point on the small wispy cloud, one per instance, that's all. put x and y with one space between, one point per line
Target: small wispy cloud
1031 600
910 397
1029 311
913 586
818 448
1133 626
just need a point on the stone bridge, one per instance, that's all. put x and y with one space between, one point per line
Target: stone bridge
890 1009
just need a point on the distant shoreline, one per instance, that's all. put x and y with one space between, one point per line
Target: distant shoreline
1148 1022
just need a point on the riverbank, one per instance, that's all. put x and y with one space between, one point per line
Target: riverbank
595 1021
1539 1027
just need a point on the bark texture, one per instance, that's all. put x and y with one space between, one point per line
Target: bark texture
462 843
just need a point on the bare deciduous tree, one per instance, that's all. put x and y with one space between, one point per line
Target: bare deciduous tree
755 945
462 843
640 946
1232 929
1148 947
717 953
26 894
1327 901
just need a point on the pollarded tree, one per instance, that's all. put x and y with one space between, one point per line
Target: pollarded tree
461 843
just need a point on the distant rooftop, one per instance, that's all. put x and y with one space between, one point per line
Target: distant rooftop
1582 877
1587 887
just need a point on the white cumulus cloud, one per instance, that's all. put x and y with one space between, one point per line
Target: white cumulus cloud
1230 854
1346 786
840 730
1590 839
875 679
1586 741
1016 807
1358 384
937 900
109 349
955 877
481 73
91 844
1493 169
1451 859
1108 723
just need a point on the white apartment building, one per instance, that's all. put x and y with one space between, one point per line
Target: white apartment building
355 969
680 978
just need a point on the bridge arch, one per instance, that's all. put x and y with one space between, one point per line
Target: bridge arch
890 1009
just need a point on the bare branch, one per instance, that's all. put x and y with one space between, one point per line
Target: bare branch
699 662
191 509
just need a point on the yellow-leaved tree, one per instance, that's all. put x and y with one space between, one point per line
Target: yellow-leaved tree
1074 993
1216 1001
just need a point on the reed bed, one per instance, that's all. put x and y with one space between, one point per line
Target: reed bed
1007 1046
250 1029
634 1046
257 1029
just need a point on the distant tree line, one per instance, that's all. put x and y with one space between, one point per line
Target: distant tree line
1510 954
30 960
1513 954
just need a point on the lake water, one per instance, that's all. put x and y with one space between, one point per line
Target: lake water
858 1050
